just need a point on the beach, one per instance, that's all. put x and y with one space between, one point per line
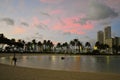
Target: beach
8 72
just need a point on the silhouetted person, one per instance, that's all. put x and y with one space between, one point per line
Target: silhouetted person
14 60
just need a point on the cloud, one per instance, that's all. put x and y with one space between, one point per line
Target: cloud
67 33
24 24
46 21
57 11
45 14
18 30
101 11
35 21
61 21
37 36
40 24
71 27
51 1
98 11
8 21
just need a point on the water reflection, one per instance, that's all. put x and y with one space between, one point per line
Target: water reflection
70 63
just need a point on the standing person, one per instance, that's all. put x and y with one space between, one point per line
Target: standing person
14 60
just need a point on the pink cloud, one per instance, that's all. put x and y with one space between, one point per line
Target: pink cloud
56 12
18 30
88 26
36 21
72 27
46 22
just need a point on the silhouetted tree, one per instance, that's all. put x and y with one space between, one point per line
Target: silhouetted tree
49 45
72 44
20 45
29 46
65 46
97 44
44 45
88 46
13 44
115 49
79 44
34 45
59 46
3 41
40 46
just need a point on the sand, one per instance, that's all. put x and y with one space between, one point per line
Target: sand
8 72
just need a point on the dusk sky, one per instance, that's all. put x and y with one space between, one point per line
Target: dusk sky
58 20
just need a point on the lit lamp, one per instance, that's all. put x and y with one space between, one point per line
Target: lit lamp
95 48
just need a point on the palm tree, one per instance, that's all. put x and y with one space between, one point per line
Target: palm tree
49 45
23 42
76 41
44 45
80 46
65 47
29 46
77 45
19 45
88 46
3 41
106 47
97 44
40 46
13 44
59 47
97 48
72 44
34 45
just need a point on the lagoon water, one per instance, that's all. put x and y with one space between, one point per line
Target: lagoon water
107 64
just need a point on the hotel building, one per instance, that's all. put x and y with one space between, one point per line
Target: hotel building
107 33
105 38
100 37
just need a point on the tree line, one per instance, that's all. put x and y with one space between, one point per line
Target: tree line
47 46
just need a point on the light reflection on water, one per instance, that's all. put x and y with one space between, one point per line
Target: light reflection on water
108 64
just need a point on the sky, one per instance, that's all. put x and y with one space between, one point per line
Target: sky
58 20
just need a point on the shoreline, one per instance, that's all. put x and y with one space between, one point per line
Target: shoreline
22 73
39 53
8 72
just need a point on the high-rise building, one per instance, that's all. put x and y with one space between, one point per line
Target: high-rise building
100 36
106 38
116 41
107 33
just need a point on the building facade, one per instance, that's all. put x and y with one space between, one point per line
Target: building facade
107 33
106 38
116 41
100 37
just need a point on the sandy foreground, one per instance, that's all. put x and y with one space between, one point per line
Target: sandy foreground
8 72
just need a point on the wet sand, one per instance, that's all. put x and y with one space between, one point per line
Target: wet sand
8 72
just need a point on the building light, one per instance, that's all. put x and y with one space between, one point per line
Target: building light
95 48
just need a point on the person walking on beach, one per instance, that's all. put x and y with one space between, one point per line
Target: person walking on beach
14 60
